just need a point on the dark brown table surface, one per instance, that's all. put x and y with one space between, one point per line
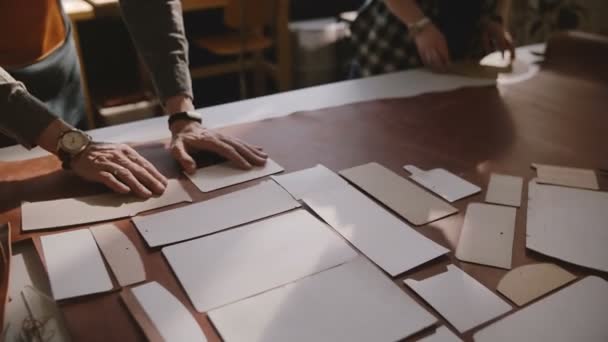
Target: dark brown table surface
558 117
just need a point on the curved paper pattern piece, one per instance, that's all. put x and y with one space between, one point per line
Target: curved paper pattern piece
575 313
120 253
526 283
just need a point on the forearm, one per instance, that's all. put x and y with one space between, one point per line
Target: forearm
22 116
503 8
407 11
157 29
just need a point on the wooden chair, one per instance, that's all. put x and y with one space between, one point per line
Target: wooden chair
255 26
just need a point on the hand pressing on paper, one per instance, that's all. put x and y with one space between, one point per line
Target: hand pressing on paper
120 168
433 48
496 37
191 136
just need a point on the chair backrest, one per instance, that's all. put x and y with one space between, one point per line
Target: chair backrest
252 14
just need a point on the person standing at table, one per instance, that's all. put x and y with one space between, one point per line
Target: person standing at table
41 100
391 35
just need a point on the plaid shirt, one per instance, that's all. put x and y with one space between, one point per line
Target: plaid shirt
382 44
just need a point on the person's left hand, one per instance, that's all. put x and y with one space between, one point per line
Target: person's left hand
191 136
495 36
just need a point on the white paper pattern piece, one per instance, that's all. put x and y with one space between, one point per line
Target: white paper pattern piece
74 264
567 176
120 253
445 184
73 211
223 212
229 266
170 317
402 196
459 298
382 237
505 190
223 175
443 334
314 179
487 235
568 224
575 313
352 302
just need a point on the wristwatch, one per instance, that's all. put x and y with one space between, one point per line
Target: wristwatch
70 144
190 116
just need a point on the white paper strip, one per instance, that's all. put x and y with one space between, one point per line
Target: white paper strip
169 315
227 211
445 184
74 264
568 224
315 179
229 266
73 211
459 298
382 237
576 313
352 302
402 196
226 174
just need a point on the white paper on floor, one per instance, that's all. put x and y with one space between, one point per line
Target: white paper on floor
315 179
568 224
232 265
575 313
169 315
72 211
377 233
487 235
402 196
219 213
74 264
223 175
459 298
352 302
445 184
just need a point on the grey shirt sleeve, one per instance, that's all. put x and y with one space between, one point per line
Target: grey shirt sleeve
22 116
157 29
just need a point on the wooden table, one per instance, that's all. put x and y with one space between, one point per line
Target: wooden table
558 117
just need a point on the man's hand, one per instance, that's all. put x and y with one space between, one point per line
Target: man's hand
119 167
190 136
433 48
495 36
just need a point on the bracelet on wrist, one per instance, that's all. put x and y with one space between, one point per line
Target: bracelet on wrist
417 27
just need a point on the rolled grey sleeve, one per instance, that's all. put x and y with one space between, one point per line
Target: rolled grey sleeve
157 29
22 116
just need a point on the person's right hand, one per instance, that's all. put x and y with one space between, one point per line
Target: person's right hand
433 48
119 167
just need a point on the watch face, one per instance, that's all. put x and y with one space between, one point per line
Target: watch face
74 141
